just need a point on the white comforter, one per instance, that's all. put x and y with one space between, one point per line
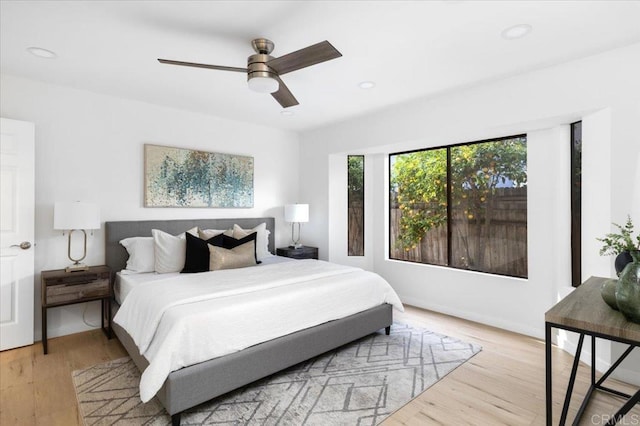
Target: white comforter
184 320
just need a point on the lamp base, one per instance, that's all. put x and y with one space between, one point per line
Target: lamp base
78 267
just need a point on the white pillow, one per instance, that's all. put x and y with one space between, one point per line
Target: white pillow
141 257
170 251
206 234
262 239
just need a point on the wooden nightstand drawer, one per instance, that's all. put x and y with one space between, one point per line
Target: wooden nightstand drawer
88 289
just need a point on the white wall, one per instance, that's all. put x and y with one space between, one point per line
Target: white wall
90 147
602 90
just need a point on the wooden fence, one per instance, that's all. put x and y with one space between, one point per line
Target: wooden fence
356 229
499 246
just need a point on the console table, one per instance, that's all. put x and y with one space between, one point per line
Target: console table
585 312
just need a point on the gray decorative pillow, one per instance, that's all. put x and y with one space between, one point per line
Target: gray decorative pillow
239 257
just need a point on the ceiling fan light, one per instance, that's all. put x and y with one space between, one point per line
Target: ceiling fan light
263 84
42 53
517 31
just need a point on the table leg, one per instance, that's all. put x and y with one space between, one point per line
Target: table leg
44 330
105 321
110 334
548 367
593 360
572 380
593 386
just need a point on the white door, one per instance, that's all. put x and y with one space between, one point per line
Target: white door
16 233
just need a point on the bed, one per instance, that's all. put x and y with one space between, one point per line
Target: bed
194 384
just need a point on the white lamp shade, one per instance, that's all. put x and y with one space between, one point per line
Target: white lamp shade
76 215
296 213
263 84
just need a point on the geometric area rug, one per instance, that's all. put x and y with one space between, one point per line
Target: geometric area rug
358 384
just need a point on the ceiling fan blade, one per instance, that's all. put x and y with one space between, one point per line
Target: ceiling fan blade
193 64
302 58
284 95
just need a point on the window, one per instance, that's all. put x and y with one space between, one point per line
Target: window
463 206
355 204
576 203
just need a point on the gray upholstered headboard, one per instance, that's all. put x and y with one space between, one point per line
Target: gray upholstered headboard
116 255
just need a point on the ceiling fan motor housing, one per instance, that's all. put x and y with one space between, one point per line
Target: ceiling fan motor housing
258 69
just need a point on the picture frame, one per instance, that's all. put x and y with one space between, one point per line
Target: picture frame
182 177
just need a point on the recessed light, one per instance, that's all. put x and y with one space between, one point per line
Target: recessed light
366 85
42 53
516 31
287 113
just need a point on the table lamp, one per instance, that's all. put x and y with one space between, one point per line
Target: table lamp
76 216
296 213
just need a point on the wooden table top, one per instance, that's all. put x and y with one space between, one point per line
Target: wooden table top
585 309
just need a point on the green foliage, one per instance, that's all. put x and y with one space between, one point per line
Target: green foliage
616 243
419 179
355 164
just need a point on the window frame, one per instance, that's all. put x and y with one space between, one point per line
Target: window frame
576 206
349 251
449 199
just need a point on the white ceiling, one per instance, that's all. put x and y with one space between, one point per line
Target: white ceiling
410 49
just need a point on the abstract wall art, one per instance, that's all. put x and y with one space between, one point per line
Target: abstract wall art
179 177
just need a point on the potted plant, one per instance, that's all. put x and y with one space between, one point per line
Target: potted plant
621 244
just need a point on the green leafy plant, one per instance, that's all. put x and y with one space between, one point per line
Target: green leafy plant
616 243
419 181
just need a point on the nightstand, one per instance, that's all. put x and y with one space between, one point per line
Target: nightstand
303 252
60 288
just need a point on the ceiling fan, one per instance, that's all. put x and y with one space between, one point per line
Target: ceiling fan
264 71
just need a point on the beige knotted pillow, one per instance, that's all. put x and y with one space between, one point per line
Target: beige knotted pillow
238 257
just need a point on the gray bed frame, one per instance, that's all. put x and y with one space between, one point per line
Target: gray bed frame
193 385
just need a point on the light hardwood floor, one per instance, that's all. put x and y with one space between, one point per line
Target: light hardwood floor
502 385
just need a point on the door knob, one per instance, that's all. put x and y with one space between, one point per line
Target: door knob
25 245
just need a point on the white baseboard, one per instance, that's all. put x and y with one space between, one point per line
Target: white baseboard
627 376
602 365
483 319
